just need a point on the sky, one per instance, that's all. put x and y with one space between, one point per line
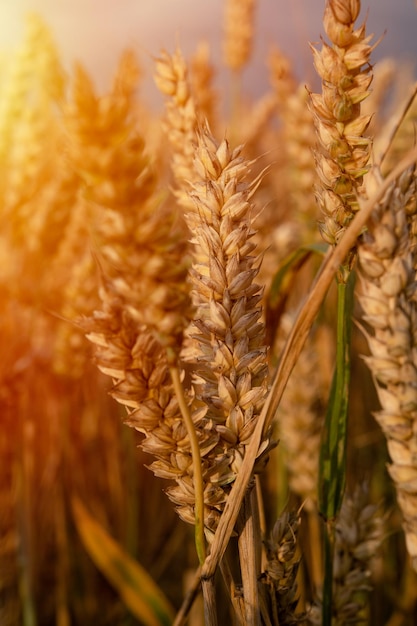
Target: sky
96 31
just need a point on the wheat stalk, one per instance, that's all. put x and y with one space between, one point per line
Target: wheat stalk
138 330
229 357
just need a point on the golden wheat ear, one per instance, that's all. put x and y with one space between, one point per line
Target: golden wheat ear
298 142
227 333
344 148
238 33
137 330
202 76
230 356
386 267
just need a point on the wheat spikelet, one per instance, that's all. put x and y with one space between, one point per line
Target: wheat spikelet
344 150
388 284
360 531
238 35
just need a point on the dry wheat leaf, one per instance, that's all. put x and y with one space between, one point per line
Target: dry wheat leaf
137 589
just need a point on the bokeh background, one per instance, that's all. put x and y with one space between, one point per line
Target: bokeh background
96 31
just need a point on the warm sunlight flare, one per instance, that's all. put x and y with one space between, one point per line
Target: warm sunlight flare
208 313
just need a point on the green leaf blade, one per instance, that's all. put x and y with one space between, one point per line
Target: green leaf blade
332 464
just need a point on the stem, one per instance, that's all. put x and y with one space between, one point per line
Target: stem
235 595
197 474
25 517
132 512
332 474
328 574
314 534
249 557
209 595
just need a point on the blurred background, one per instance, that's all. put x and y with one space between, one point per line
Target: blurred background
95 31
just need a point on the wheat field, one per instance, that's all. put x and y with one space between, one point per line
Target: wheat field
208 336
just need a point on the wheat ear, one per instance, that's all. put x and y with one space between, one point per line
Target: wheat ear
145 302
172 79
202 76
229 355
281 571
227 331
344 149
298 136
238 35
388 302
